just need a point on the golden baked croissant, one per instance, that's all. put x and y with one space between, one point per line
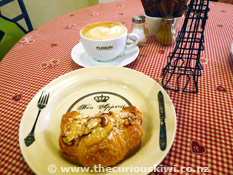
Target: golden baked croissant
102 139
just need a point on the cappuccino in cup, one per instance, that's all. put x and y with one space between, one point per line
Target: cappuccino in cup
104 41
103 31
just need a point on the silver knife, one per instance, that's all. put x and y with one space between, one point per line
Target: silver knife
162 115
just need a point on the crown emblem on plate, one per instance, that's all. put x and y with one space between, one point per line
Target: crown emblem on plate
101 98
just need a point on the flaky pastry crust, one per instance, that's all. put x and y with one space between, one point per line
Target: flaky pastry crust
102 139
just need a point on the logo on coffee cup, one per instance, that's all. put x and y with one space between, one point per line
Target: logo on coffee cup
104 47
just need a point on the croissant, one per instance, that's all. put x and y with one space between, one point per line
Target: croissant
103 139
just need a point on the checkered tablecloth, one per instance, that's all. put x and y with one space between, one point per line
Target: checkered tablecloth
204 135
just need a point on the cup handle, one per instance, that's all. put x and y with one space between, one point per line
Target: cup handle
135 40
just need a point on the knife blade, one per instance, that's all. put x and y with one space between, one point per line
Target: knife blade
162 115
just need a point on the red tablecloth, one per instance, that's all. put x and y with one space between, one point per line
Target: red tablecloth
204 135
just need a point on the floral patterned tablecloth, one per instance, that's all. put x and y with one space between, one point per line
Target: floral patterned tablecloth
204 135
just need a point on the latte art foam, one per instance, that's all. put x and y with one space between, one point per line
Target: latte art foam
103 30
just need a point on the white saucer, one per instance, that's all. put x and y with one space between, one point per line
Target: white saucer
80 57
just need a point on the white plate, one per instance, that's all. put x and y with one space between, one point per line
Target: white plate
77 90
80 57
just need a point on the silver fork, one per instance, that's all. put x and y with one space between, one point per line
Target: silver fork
41 104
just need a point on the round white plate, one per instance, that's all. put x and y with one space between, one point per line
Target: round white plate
79 90
80 57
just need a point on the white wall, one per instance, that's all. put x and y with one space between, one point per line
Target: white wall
105 1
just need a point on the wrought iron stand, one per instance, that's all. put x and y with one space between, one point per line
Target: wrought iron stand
184 61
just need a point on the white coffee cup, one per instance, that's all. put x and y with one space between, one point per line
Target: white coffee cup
104 41
153 23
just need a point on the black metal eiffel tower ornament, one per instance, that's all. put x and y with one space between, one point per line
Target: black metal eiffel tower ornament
183 64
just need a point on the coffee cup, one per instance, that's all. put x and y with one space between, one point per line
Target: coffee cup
104 41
